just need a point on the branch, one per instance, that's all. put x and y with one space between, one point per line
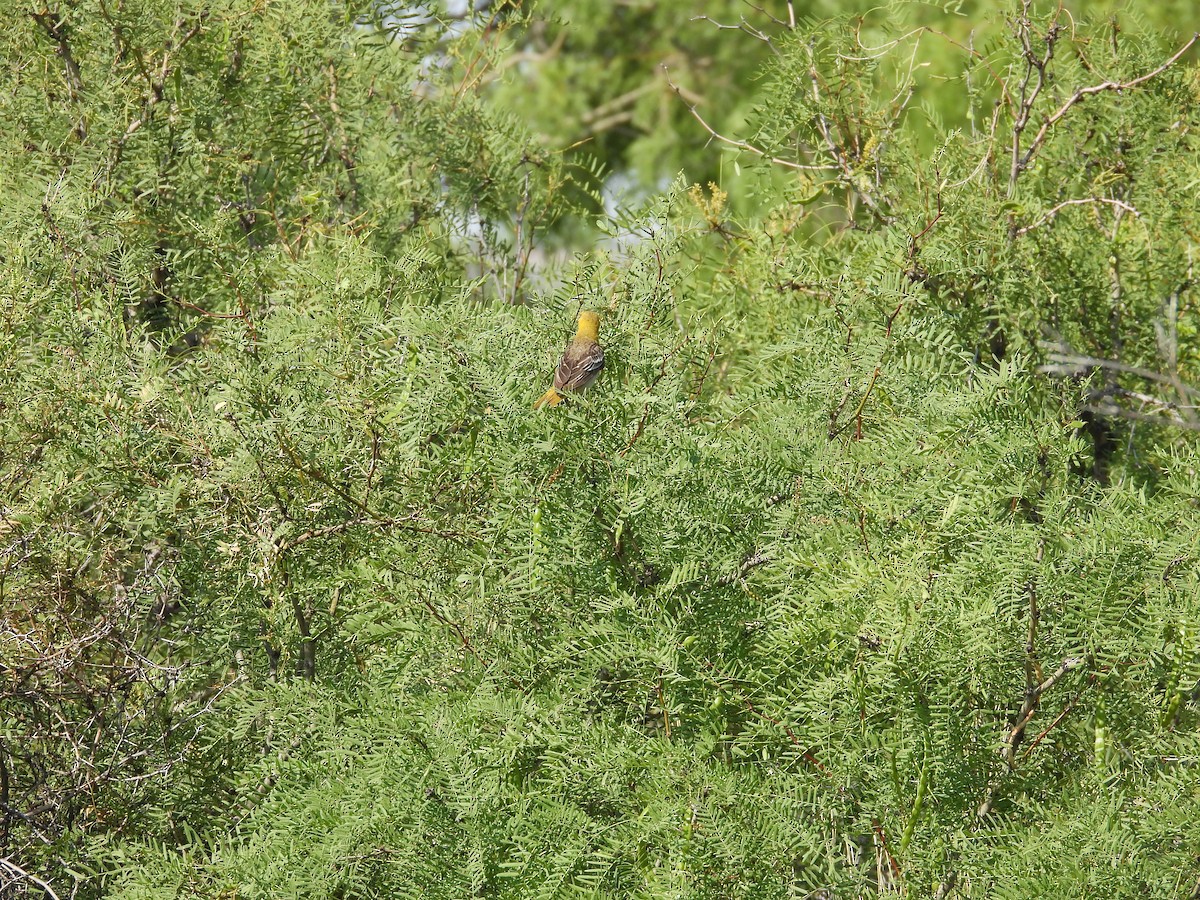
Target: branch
835 152
402 523
743 26
742 145
946 888
1081 93
756 559
16 870
1028 709
1071 662
1168 342
1172 417
1055 210
455 627
790 24
662 373
835 429
156 90
1033 669
1072 364
1028 95
1045 731
52 23
804 753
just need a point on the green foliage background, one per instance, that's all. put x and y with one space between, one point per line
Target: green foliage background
869 565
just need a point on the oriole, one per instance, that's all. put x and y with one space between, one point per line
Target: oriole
581 361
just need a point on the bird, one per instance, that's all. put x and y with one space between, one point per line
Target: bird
581 361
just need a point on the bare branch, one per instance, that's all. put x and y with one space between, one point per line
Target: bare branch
1033 696
1067 363
1081 93
54 26
742 145
20 873
1053 212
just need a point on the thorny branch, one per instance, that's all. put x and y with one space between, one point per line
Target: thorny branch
744 27
1033 667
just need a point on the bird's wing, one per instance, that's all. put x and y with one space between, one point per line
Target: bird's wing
580 365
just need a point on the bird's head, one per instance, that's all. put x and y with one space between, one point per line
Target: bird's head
588 327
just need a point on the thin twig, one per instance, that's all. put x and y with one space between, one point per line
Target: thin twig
1168 341
857 417
1057 719
404 524
1033 669
777 21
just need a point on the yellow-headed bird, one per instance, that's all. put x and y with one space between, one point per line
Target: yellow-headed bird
581 362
